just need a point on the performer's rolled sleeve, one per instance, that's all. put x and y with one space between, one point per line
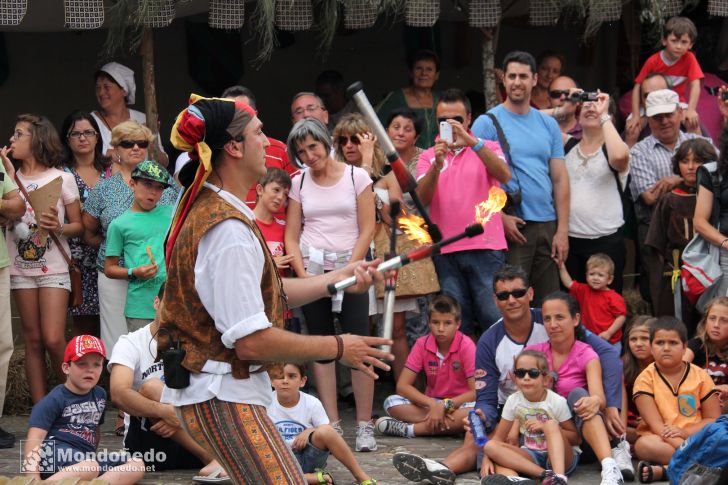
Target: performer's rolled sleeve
231 298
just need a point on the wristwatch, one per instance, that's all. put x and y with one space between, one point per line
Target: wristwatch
604 118
130 274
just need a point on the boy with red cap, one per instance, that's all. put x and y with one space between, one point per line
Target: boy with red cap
63 428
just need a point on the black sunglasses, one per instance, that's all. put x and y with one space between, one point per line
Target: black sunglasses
343 139
532 373
504 295
557 93
459 119
130 143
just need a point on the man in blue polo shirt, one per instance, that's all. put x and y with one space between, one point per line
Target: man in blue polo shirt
537 227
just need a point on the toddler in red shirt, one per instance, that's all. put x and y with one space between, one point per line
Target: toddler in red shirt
603 310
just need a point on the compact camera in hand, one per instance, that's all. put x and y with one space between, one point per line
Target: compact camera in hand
582 96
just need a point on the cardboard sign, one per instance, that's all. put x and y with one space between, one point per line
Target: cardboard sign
42 199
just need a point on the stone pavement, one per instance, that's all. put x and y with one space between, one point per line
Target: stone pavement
378 463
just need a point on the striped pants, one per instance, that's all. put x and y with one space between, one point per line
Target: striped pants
244 440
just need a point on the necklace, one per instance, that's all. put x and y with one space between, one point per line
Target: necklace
585 157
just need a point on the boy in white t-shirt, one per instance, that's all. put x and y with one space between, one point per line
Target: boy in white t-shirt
302 422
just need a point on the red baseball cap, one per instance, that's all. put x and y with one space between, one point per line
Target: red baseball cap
82 345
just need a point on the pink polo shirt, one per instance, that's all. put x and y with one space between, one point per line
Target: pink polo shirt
572 373
463 183
447 376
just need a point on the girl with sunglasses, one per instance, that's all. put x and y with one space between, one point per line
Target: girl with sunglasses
547 434
39 277
108 200
578 375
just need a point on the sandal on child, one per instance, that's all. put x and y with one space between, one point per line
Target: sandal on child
119 428
321 475
371 481
650 473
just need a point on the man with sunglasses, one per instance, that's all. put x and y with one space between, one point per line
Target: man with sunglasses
537 226
564 107
453 179
520 326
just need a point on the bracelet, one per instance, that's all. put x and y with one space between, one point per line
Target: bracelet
339 347
604 118
479 145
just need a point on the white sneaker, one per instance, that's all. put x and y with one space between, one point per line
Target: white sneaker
612 476
365 436
417 469
622 456
391 427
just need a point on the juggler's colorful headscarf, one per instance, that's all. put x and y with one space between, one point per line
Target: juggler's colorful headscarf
205 125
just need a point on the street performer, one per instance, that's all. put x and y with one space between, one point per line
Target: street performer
224 300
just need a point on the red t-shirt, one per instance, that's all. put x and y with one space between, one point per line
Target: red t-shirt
599 308
273 233
679 74
276 156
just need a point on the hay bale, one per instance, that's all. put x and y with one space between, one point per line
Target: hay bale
635 304
17 393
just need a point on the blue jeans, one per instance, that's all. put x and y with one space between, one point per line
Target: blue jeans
467 276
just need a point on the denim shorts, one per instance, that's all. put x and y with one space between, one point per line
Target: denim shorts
311 458
59 280
541 458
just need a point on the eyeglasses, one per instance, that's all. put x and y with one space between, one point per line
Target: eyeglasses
130 143
557 93
532 373
17 134
459 119
85 133
342 140
311 108
504 295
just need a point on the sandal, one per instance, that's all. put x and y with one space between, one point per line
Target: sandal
371 481
642 465
119 428
321 475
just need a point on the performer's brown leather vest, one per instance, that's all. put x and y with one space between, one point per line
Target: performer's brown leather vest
183 314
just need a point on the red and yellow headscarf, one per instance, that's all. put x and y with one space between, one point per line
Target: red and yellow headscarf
205 125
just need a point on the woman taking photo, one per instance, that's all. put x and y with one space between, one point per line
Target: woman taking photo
418 96
596 214
109 199
337 203
115 90
39 277
84 160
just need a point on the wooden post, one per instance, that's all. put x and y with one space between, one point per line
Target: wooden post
150 91
489 46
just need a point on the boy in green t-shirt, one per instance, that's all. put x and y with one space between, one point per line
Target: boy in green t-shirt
138 235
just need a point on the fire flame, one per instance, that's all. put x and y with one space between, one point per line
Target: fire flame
495 203
414 227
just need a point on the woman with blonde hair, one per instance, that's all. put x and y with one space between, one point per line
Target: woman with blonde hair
108 200
39 278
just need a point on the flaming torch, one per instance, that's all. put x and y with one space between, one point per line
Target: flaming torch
404 178
410 256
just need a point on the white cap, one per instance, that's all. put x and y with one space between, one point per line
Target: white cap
123 76
661 101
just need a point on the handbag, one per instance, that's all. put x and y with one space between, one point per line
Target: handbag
73 271
414 279
700 273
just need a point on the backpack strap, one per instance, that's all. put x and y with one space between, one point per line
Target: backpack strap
505 146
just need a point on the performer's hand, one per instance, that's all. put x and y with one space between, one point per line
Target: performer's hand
365 272
362 353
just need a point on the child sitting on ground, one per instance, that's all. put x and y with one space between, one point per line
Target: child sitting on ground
675 399
66 423
637 356
303 424
138 235
546 431
447 357
678 64
603 310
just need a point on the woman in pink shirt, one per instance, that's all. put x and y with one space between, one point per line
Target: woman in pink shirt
578 377
337 204
39 277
